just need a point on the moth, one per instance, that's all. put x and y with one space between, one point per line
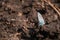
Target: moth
41 21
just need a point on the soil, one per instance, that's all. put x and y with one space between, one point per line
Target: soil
18 20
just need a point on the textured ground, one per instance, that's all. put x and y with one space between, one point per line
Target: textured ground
18 20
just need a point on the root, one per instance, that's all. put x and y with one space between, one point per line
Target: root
55 8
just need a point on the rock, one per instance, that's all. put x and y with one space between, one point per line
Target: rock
40 19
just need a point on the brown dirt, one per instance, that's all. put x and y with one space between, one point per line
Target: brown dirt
18 20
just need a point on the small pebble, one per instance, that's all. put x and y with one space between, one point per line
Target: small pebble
55 17
13 19
19 14
40 19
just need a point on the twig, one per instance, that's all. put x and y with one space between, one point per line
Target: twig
57 8
52 6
